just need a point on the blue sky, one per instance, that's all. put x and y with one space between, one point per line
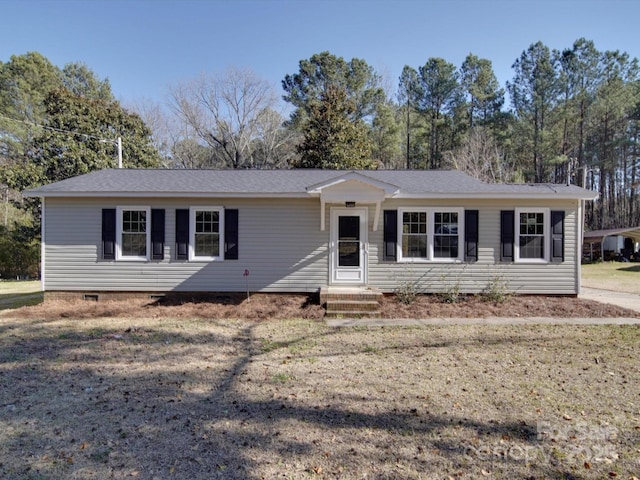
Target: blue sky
143 46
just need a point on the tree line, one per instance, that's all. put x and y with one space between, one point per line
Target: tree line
55 123
566 116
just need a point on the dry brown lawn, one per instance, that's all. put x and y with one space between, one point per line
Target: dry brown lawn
158 391
266 307
615 276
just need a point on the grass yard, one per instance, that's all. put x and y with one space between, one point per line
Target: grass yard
19 286
14 294
616 276
202 399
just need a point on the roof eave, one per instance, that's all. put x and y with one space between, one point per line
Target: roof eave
148 194
398 195
500 195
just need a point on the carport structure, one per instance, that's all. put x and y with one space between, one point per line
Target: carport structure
598 236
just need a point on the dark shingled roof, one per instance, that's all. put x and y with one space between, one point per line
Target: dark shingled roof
286 183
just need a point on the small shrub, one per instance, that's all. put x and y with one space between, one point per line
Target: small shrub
408 290
451 293
497 290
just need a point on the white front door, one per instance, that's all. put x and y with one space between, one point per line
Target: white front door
349 246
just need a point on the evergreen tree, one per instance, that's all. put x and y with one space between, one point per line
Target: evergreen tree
484 97
384 134
579 76
409 96
55 124
613 114
534 95
440 96
25 81
332 138
323 72
80 136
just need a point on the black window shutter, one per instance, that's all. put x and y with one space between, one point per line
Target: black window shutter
507 235
557 236
471 235
157 234
231 234
390 237
109 233
182 234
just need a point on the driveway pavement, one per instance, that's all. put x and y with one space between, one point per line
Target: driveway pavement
626 300
621 299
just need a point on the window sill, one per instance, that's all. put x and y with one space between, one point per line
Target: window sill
433 260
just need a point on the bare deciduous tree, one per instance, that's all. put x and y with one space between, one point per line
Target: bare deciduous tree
481 158
276 145
225 112
174 138
154 117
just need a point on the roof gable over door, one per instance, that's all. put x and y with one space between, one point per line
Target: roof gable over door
353 181
352 188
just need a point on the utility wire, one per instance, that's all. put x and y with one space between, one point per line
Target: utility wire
59 130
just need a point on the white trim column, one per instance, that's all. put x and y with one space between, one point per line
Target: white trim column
42 244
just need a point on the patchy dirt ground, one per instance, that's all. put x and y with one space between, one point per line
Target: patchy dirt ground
263 389
517 306
263 306
162 397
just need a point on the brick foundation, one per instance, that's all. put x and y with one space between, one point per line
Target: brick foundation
104 296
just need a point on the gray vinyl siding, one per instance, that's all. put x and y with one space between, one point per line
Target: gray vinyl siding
284 250
434 277
280 241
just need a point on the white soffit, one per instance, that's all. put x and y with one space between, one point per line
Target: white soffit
356 189
356 181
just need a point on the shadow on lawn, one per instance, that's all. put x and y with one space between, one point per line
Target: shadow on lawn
230 298
632 268
106 412
17 300
175 300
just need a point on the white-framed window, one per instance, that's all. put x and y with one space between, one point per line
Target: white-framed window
206 232
133 238
532 240
446 241
430 234
414 235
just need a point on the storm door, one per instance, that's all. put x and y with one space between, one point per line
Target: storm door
349 246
